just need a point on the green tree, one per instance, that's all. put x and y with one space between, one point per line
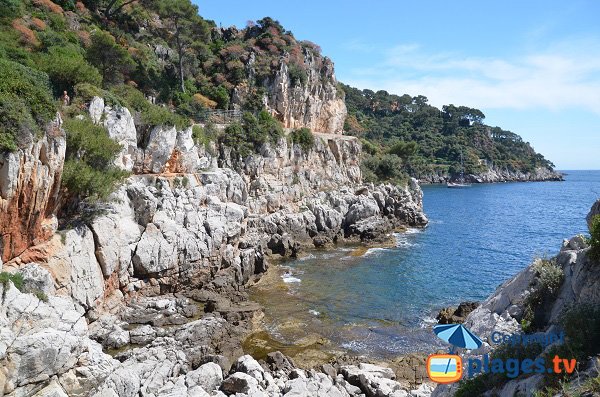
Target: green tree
110 58
67 67
182 28
10 8
404 150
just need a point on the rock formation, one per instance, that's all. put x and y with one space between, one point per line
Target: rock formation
494 175
29 185
160 272
316 103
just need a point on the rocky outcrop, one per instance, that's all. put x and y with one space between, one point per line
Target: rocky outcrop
595 211
159 272
45 349
29 185
504 309
452 315
494 175
315 103
120 125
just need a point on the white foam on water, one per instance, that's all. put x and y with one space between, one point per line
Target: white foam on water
307 257
314 312
412 230
402 242
329 256
427 322
288 278
354 345
375 251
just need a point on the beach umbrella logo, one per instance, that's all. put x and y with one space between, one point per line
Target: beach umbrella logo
447 368
458 336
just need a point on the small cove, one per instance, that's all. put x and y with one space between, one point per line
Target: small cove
382 303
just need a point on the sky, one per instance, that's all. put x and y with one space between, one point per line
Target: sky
532 67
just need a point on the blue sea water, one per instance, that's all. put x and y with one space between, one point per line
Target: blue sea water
381 303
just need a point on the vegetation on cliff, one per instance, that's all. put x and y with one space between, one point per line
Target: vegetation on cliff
169 65
424 140
158 58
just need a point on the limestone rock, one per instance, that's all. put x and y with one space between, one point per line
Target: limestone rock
36 279
209 376
75 268
29 185
240 382
315 104
159 150
594 211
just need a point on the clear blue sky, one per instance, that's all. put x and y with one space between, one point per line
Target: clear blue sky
532 67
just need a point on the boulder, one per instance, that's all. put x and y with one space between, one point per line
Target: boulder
159 150
240 382
208 376
36 279
250 366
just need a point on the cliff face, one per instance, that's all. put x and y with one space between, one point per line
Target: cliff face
191 220
316 103
29 184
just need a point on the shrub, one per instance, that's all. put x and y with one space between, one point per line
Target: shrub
49 5
159 115
204 135
478 385
89 173
548 279
15 278
25 103
369 147
67 67
41 296
270 126
130 97
298 75
235 137
28 36
11 8
16 122
594 252
303 137
385 168
582 329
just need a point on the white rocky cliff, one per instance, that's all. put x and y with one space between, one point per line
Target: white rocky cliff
160 274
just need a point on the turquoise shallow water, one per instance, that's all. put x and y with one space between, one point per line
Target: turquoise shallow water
383 302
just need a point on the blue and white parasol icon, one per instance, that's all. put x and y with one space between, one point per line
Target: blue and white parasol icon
457 335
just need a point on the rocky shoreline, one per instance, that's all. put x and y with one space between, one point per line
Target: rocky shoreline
493 175
158 277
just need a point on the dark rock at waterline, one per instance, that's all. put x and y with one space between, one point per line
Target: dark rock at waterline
278 361
451 315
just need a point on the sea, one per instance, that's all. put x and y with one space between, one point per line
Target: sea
383 302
